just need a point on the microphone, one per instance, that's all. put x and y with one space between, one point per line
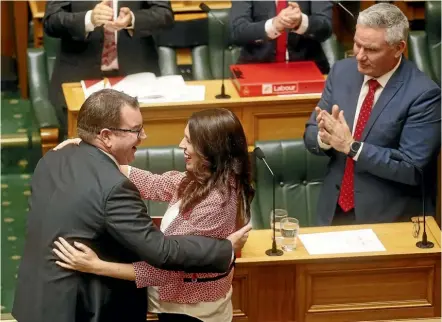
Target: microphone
345 9
272 251
424 243
207 10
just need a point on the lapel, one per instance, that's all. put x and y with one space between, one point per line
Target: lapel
393 85
353 96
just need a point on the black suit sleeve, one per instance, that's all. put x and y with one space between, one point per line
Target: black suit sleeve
127 221
60 22
242 27
320 20
156 15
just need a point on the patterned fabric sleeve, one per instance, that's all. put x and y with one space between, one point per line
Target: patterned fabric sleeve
157 187
147 275
209 219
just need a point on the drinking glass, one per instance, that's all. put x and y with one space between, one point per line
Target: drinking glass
289 233
279 215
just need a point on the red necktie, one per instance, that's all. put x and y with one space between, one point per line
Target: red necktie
281 41
109 53
346 198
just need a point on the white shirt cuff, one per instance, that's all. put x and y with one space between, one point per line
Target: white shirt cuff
271 31
128 170
303 26
88 25
359 152
132 26
322 145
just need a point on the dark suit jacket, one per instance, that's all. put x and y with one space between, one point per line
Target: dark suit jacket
401 137
79 193
247 20
80 55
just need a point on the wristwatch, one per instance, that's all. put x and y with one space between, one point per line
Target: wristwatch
354 149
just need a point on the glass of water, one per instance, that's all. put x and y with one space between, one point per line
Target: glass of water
279 215
289 233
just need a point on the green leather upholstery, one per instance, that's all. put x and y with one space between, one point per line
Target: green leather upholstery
159 160
424 47
40 67
299 175
333 50
167 61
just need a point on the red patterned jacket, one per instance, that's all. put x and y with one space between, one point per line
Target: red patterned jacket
209 218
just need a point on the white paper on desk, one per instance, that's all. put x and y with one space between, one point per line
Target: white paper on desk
342 242
190 93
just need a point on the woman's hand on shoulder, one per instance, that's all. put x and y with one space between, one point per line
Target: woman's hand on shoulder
67 142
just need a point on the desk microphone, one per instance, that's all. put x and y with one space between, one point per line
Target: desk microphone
207 10
424 243
272 251
345 9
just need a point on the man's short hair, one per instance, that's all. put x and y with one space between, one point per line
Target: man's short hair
101 110
388 16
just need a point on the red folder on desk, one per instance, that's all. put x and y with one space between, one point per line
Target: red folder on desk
277 78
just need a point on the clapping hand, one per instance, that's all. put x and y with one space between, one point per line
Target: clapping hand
333 129
123 20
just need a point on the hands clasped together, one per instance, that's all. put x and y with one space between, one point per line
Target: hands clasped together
333 129
103 15
288 18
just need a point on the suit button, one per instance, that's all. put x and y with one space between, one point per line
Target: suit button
304 182
281 184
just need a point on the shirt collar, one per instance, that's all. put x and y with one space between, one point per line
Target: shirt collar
110 156
383 80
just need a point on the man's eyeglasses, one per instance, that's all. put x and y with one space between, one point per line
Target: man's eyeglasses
138 132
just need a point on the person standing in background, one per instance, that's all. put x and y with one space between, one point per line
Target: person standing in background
98 39
278 31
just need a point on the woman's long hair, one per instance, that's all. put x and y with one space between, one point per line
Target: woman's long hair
219 141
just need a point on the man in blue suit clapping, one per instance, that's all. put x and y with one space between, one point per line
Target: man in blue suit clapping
379 121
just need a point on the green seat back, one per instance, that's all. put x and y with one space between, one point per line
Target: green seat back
159 160
299 176
217 45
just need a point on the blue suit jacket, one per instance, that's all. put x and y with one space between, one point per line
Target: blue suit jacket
401 138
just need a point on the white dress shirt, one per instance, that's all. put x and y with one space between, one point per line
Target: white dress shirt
90 27
382 80
272 33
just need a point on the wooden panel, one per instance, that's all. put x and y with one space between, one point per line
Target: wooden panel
7 30
240 295
21 37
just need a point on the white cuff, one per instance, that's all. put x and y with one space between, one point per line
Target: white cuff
132 26
322 145
88 25
271 31
359 152
128 170
303 26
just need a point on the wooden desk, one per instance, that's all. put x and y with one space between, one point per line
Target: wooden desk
403 282
263 118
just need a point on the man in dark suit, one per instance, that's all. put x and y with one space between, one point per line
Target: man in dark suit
109 38
379 122
79 192
270 31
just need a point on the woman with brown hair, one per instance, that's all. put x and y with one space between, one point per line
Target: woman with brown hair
212 198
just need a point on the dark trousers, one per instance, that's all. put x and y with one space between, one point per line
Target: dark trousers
343 218
170 317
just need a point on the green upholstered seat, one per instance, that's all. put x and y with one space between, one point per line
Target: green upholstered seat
299 176
159 160
424 47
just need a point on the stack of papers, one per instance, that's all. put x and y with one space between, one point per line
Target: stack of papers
148 88
342 242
